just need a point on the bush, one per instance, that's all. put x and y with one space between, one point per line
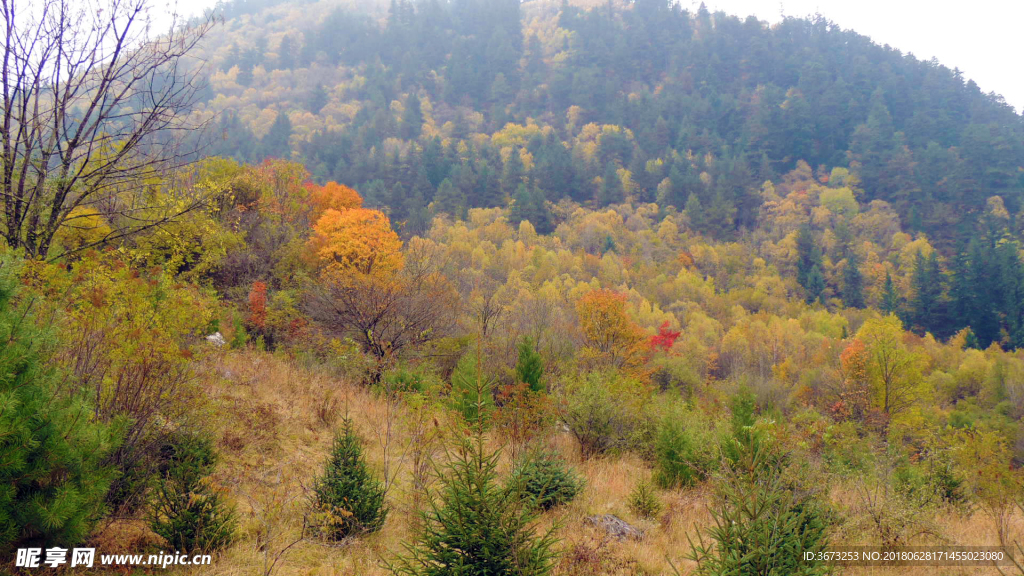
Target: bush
51 451
546 480
644 501
347 499
685 451
606 411
760 525
187 513
474 526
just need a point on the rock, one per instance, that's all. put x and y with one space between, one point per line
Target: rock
216 339
615 527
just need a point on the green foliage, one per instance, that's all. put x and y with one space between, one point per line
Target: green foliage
472 389
546 480
240 337
530 366
476 527
644 501
744 436
187 512
52 473
760 525
685 450
347 499
607 411
405 379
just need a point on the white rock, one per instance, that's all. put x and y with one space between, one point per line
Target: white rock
216 339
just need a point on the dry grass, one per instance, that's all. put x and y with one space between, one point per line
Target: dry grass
275 423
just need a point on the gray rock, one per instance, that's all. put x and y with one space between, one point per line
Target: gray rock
615 527
216 339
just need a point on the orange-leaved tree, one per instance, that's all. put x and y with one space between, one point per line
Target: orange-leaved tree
332 196
612 338
356 241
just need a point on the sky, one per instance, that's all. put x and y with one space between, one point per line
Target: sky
982 37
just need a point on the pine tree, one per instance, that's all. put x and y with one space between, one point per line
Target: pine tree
275 143
695 212
51 451
474 526
815 284
347 499
808 257
853 283
890 299
317 98
760 525
449 199
468 375
530 366
412 118
611 191
513 174
187 512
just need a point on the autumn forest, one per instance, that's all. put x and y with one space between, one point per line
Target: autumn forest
489 287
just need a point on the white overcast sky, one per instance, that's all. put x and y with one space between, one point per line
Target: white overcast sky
982 38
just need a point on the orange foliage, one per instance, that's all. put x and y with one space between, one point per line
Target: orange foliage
332 196
258 305
356 240
612 336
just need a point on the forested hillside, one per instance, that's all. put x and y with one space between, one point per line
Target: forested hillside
487 288
674 104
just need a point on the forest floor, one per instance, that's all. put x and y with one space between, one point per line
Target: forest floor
275 422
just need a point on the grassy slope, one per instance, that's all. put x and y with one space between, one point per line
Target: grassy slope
265 410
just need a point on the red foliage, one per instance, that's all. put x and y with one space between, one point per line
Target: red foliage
258 305
665 338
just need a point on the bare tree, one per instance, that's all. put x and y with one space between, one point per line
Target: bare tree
388 313
95 108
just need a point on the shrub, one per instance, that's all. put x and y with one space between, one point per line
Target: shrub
685 451
760 525
476 527
51 451
644 501
605 411
546 480
187 512
347 499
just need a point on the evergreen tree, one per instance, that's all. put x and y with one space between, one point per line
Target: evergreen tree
187 512
611 187
474 526
696 214
474 405
927 284
275 143
809 260
890 299
449 199
412 118
815 284
528 204
347 499
52 474
317 98
853 283
512 177
529 365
